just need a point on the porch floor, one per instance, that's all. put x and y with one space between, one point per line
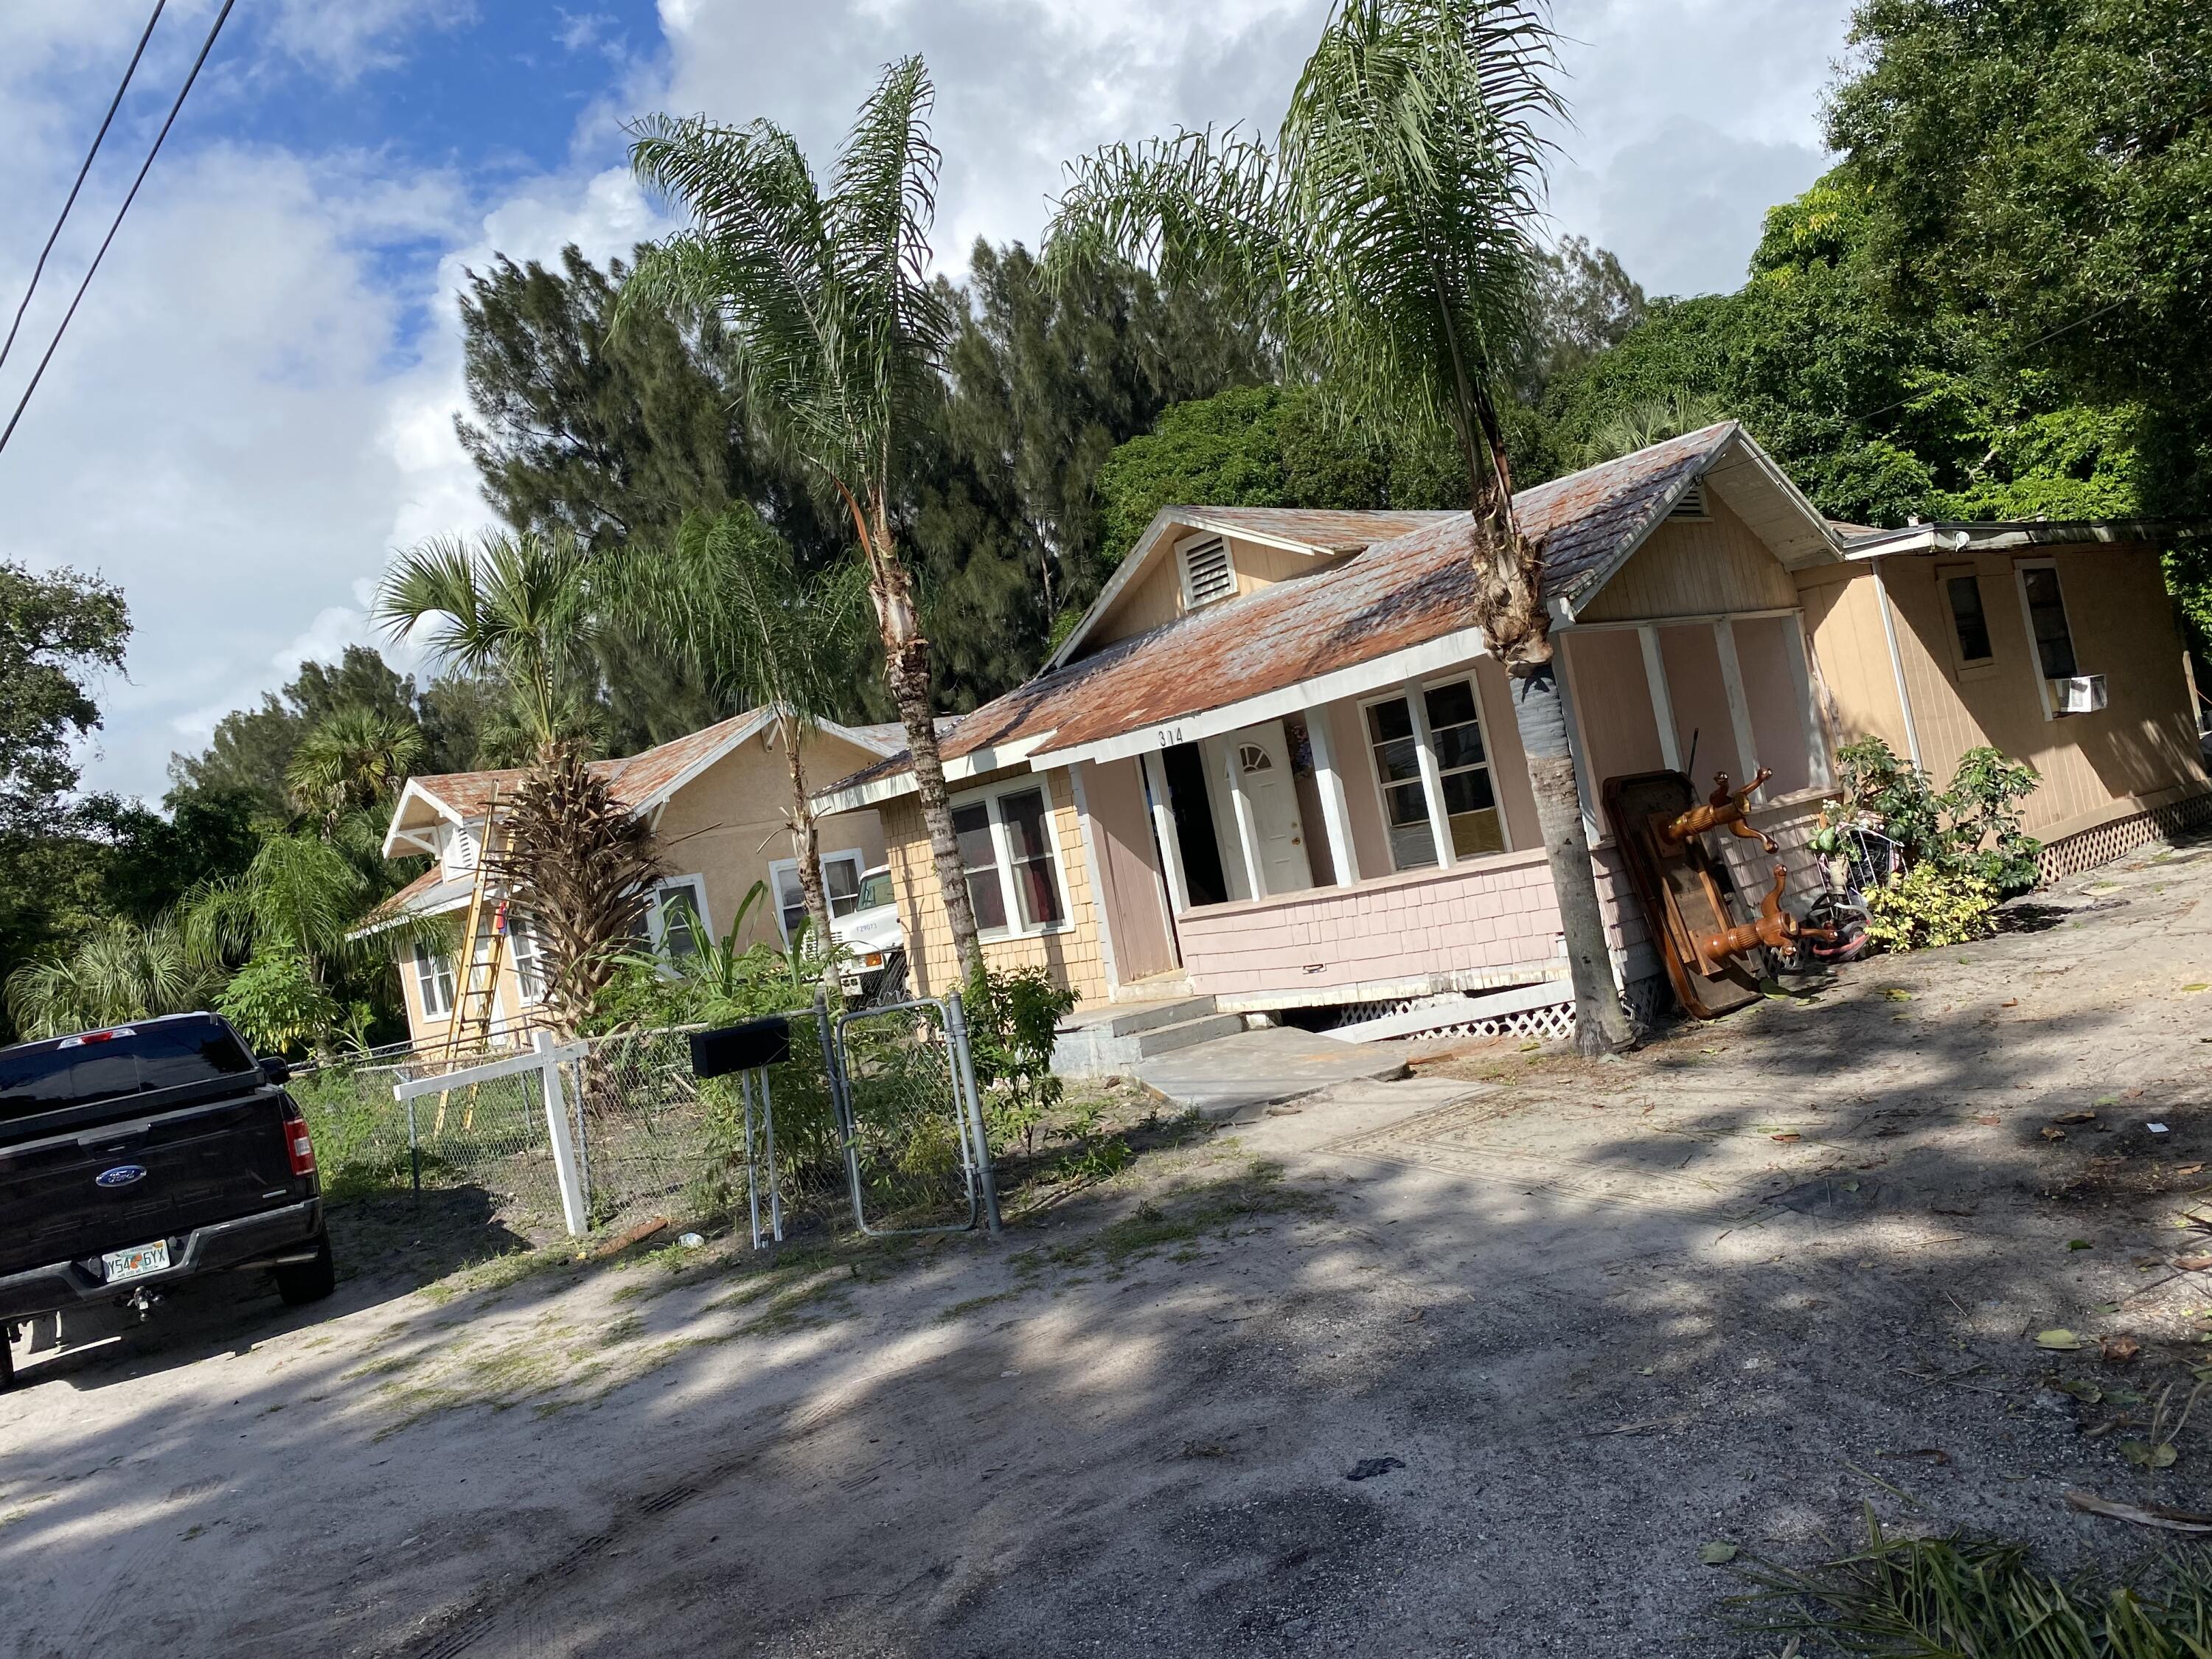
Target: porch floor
1240 1074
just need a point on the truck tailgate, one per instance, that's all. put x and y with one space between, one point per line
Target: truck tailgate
75 1195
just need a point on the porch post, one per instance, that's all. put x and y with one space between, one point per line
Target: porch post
1433 779
1248 842
1739 709
1163 828
1662 706
1335 812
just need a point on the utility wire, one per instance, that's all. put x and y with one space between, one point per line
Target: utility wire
206 46
2064 328
54 236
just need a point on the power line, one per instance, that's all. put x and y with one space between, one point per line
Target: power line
2064 328
54 236
206 46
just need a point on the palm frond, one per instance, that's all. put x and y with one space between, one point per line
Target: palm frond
118 972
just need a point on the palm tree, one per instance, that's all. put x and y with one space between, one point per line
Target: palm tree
1640 425
301 893
839 335
354 761
725 597
119 971
519 610
1387 243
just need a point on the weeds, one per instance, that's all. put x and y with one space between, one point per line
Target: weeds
1934 1598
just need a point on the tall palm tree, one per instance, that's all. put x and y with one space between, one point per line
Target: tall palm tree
1387 242
300 893
725 597
119 971
521 610
839 335
354 761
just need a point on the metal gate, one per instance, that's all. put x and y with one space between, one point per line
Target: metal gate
916 1154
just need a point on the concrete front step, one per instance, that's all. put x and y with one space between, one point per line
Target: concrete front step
1108 1042
1240 1075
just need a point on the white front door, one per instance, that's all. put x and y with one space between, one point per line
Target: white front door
1266 801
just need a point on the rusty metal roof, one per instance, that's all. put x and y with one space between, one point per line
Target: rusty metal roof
1328 530
1399 593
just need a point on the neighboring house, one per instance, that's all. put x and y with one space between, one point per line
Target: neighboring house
1274 763
717 802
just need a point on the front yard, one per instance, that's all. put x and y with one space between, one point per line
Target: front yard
1481 1363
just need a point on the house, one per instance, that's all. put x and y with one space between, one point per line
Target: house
1274 764
717 800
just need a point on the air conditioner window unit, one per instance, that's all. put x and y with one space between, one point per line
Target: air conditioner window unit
2079 694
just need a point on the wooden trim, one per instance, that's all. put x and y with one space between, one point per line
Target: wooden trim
1897 662
1747 742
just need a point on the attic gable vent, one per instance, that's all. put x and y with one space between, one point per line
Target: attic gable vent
1207 576
1692 504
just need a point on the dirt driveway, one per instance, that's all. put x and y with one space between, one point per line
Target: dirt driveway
1466 1364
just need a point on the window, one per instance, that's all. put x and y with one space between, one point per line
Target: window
2046 620
527 945
676 918
1208 574
433 978
1968 622
1452 726
1006 850
841 884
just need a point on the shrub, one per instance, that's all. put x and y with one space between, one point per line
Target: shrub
1931 904
1972 826
1012 1019
276 1003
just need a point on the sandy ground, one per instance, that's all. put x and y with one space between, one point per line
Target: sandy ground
1466 1365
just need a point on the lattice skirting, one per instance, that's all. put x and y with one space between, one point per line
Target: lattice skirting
2107 842
1644 1000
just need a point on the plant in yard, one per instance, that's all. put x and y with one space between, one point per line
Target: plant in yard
1387 242
1932 903
1013 1021
357 761
119 971
276 1003
577 862
839 337
725 594
1983 804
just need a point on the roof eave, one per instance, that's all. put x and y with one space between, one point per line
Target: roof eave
2001 537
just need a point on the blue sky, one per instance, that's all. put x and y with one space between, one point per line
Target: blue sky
255 404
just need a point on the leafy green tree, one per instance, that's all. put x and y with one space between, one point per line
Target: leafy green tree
727 594
117 971
276 1003
251 748
56 631
840 339
1388 238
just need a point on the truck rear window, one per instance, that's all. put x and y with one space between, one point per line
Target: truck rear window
167 1054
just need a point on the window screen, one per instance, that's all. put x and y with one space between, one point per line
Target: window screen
1967 618
2046 613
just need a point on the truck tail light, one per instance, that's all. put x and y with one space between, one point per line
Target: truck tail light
299 1143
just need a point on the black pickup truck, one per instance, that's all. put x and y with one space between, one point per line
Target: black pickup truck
156 1152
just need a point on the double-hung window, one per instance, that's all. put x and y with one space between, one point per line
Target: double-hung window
1007 854
527 945
676 918
1970 623
1436 744
841 885
2046 621
434 979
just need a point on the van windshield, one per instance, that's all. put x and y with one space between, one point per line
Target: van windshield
875 890
129 1060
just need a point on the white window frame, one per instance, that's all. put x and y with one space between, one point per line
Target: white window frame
2020 569
655 930
1190 601
1003 852
521 930
1414 695
778 868
430 966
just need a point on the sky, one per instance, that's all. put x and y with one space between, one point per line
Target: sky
254 406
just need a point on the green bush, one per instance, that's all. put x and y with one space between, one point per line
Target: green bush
1931 904
359 1133
276 1003
1012 1019
1974 826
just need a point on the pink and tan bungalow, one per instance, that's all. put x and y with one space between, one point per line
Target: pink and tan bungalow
716 800
1274 767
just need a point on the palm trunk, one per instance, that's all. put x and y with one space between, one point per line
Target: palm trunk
906 666
1518 629
808 845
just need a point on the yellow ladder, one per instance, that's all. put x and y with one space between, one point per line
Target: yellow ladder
475 997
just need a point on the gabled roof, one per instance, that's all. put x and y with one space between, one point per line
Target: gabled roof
639 781
1321 531
1400 596
429 894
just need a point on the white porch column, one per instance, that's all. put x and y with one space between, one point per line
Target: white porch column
1432 780
1248 840
1747 746
1163 826
1335 810
1662 706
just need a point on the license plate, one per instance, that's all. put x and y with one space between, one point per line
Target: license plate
137 1263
